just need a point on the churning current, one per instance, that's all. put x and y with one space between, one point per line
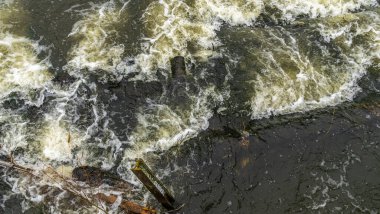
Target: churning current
89 83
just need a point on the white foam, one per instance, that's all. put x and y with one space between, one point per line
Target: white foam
160 127
277 91
170 27
292 9
20 68
234 12
56 142
44 143
14 131
169 30
94 50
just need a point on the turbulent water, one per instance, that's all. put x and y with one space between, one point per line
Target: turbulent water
90 83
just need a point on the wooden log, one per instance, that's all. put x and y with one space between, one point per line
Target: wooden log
17 167
153 184
72 187
95 176
130 207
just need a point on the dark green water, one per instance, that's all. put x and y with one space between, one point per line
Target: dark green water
278 113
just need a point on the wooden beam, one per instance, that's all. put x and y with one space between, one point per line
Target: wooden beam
153 184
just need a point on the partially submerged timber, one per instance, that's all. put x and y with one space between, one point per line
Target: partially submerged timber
90 178
86 190
88 83
154 185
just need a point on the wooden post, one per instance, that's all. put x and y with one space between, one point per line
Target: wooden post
178 66
153 184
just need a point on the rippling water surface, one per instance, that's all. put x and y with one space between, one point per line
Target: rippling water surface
278 113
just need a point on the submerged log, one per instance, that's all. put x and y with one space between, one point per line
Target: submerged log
72 187
95 176
178 66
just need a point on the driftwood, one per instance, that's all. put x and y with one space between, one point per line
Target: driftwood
154 185
128 206
72 187
19 168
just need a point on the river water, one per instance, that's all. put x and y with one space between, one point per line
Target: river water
278 113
